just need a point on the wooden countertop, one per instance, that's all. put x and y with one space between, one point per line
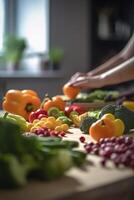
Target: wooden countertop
90 183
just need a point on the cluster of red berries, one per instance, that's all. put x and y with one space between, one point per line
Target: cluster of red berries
45 132
120 150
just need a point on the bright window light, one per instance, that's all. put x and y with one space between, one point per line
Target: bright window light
33 23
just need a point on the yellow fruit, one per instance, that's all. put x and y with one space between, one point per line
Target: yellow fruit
44 119
34 128
52 119
35 121
119 127
76 120
65 127
49 124
40 123
82 116
129 105
109 115
58 122
58 128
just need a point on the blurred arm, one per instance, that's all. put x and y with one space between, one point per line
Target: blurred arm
122 56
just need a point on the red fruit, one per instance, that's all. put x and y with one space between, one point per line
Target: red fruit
41 111
82 139
41 115
68 110
78 109
34 115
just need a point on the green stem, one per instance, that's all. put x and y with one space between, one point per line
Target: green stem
5 115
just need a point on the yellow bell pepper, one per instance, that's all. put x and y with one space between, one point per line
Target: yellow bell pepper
129 105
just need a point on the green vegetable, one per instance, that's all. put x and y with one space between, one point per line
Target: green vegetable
22 157
12 172
65 120
127 116
86 123
94 114
54 111
120 112
97 96
107 109
17 119
78 157
55 166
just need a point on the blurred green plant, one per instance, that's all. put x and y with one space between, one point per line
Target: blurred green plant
56 55
14 48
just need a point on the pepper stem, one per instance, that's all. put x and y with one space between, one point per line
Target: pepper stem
5 115
46 98
29 107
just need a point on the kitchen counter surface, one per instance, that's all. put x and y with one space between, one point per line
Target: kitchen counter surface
92 182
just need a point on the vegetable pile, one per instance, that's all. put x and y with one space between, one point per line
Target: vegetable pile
32 134
110 121
97 96
23 157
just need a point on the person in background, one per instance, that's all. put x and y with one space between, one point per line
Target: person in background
116 70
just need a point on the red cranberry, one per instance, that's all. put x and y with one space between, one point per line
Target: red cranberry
82 139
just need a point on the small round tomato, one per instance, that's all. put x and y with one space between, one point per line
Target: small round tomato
70 91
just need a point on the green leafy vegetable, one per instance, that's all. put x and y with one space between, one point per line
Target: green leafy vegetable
22 157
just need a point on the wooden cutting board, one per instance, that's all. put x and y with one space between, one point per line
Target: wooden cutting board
93 182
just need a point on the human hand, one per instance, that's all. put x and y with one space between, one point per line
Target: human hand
76 76
87 82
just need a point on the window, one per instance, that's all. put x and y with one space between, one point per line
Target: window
28 19
32 23
1 23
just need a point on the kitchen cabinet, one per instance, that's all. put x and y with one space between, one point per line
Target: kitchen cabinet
111 26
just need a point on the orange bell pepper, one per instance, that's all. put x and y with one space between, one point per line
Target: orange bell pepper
55 101
21 102
106 127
